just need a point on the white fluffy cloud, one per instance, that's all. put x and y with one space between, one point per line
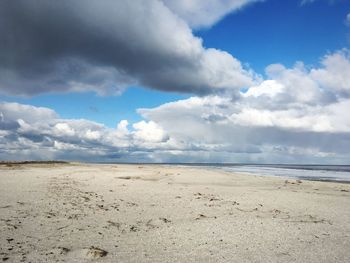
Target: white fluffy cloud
28 132
335 75
289 87
298 111
217 129
149 132
269 88
14 111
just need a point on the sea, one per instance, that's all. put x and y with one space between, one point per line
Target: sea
329 173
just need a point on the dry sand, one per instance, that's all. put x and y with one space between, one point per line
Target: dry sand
153 213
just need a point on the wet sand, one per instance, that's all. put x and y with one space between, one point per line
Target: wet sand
152 213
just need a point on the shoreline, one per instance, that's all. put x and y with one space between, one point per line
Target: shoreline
214 166
306 178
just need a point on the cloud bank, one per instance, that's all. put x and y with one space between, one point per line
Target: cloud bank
28 132
65 46
297 115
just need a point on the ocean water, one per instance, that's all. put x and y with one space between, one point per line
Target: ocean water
336 173
333 173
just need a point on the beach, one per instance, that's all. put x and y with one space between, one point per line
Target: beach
74 212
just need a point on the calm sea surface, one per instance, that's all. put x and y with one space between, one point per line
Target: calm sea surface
336 173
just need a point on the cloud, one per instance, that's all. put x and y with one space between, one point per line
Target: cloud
149 132
16 111
347 20
204 13
216 129
290 87
28 132
298 114
334 76
62 46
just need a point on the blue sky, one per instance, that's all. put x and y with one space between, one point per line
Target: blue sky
108 110
268 32
162 80
284 32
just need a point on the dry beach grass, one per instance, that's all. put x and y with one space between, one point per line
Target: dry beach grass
60 212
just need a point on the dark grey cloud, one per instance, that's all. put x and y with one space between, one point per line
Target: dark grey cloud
105 46
8 125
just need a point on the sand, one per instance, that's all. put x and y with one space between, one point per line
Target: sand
153 213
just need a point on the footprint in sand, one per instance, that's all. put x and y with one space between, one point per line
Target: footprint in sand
165 220
201 216
89 253
95 252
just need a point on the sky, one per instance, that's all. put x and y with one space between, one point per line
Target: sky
235 81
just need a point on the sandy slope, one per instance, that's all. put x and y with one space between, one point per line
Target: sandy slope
126 213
